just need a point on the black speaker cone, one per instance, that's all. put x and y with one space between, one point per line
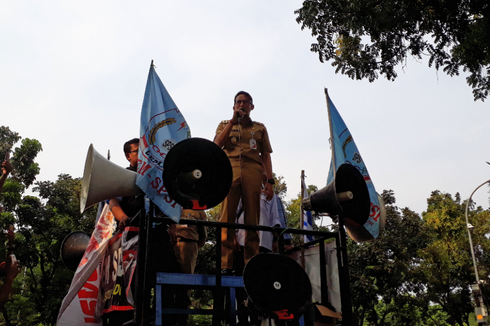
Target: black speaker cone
207 157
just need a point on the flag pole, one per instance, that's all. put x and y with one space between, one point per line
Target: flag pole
301 219
342 258
302 211
332 149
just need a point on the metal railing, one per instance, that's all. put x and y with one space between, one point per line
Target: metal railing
146 275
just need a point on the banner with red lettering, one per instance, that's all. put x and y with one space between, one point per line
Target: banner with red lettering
118 269
162 126
79 305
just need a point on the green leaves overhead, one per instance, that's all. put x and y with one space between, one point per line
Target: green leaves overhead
368 38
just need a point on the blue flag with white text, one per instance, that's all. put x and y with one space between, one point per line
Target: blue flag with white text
162 126
345 151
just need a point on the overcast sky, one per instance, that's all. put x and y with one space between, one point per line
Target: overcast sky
74 73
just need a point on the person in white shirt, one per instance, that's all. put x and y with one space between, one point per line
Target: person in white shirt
269 216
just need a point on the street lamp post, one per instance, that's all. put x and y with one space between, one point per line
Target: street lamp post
480 310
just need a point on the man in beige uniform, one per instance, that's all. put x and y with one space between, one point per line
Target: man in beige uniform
246 143
189 239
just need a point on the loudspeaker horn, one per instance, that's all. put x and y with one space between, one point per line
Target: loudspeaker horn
347 196
358 232
197 174
72 249
277 286
103 180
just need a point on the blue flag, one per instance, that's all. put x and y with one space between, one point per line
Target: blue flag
162 126
307 217
344 150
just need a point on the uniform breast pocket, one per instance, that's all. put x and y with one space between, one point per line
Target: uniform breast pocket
234 137
258 135
234 133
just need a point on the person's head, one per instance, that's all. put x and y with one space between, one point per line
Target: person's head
131 151
243 101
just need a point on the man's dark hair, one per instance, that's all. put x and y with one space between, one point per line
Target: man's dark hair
244 93
127 145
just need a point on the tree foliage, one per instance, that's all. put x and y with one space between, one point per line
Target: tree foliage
280 187
384 272
41 225
419 270
25 169
446 263
44 222
368 38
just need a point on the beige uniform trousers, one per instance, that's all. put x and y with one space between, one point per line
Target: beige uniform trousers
186 254
247 184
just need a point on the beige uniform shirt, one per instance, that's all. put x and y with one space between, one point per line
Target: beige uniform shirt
247 142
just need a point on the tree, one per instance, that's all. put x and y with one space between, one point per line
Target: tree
280 188
42 223
25 169
384 274
447 265
23 175
367 38
7 140
419 271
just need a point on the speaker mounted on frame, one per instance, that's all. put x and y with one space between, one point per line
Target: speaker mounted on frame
277 287
72 249
197 173
347 196
103 179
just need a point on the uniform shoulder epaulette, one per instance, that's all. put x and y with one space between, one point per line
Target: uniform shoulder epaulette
259 123
225 122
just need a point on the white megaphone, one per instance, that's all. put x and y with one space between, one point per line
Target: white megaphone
103 180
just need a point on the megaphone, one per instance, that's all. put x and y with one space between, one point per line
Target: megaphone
72 249
197 174
103 180
347 196
277 286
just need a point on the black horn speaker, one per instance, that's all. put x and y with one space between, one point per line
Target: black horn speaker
347 196
72 249
197 173
277 286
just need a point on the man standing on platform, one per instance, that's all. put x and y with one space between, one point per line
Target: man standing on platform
246 143
162 237
189 239
125 208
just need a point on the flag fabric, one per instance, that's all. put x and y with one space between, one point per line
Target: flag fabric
307 217
344 150
79 305
162 126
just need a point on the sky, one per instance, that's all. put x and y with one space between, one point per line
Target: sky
74 74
